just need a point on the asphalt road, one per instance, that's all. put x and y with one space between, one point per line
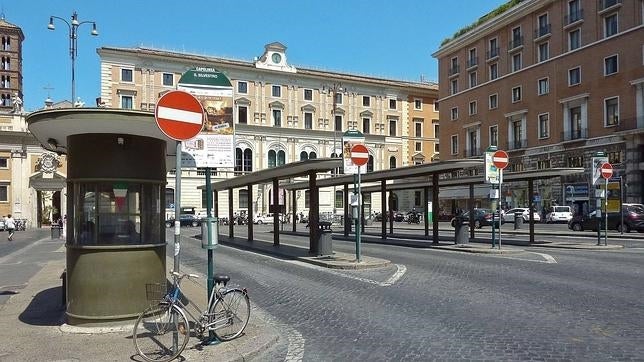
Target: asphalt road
546 304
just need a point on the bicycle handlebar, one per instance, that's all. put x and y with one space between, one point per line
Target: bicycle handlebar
180 276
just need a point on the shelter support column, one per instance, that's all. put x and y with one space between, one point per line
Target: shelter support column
314 214
346 218
294 208
231 220
276 212
435 208
383 208
362 218
215 200
531 208
426 201
250 213
470 206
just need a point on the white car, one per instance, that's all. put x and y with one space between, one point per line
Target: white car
508 216
264 219
559 214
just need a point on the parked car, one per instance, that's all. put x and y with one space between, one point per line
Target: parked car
559 214
185 220
633 220
265 219
482 217
508 216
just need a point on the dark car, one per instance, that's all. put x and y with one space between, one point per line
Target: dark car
633 220
185 220
482 217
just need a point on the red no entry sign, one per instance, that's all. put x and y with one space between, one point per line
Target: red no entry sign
607 170
500 159
179 115
359 155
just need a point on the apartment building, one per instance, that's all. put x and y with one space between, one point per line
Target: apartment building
552 82
283 114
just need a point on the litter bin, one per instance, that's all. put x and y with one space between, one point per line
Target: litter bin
518 220
55 232
461 229
326 241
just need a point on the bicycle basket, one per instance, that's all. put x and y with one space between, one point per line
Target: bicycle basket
156 291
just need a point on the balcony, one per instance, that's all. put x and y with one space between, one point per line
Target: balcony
607 4
517 144
574 16
542 31
473 62
516 42
575 134
492 53
454 70
473 152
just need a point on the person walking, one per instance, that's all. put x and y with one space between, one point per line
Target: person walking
10 224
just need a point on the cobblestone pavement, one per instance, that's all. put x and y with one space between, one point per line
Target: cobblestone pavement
585 306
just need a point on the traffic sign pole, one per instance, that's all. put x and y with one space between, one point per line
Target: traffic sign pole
499 203
606 213
177 208
359 220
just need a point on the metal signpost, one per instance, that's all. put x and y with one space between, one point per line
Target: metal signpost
607 173
359 157
599 158
179 116
500 160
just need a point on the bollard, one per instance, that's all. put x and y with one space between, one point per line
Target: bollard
461 231
326 240
518 220
55 232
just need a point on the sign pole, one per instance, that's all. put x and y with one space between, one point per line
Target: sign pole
177 208
606 214
358 220
499 203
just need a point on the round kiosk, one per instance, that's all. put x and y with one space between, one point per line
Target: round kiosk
116 177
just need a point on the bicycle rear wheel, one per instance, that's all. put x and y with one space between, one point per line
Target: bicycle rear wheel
231 314
154 332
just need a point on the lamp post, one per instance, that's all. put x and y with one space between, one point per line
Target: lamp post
73 41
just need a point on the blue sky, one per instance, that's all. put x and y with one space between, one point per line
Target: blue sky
383 38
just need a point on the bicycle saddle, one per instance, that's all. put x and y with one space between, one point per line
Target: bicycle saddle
222 279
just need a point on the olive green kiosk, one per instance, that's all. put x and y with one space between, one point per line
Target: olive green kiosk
116 176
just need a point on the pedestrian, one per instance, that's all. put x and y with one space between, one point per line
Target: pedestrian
10 224
63 232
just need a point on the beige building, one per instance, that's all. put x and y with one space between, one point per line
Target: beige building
552 82
283 114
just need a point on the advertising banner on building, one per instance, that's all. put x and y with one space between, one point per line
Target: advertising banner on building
349 139
215 145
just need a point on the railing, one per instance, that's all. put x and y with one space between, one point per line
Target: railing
516 42
629 124
542 30
574 134
605 4
473 152
574 16
472 62
454 70
517 144
492 53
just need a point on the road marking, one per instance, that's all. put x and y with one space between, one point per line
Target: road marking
548 258
397 275
401 270
22 250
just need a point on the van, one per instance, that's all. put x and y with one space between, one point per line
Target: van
559 214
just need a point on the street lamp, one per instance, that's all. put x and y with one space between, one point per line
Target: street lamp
73 41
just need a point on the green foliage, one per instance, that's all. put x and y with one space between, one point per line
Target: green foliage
492 14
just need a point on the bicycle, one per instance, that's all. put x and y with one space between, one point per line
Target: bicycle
161 332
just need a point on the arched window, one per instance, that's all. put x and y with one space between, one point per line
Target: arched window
248 160
271 158
281 158
370 164
312 155
169 198
339 199
392 162
304 156
243 199
238 160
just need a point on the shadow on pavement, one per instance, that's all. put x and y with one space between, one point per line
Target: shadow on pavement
45 309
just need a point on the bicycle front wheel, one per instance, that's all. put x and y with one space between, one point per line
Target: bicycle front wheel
155 329
231 314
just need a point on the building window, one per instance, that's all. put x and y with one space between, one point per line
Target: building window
276 91
574 76
454 68
418 104
436 129
366 125
543 165
544 51
243 160
4 163
418 146
454 144
494 71
574 39
392 104
418 128
4 193
308 120
126 75
127 102
308 94
493 49
338 98
370 164
243 199
339 199
338 123
575 161
366 101
610 65
392 162
277 118
453 86
454 113
472 76
472 108
544 125
574 11
544 26
392 127
242 114
516 62
610 25
307 156
242 87
543 86
615 157
472 59
516 94
168 79
494 135
437 147
494 101
276 158
611 106
517 38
